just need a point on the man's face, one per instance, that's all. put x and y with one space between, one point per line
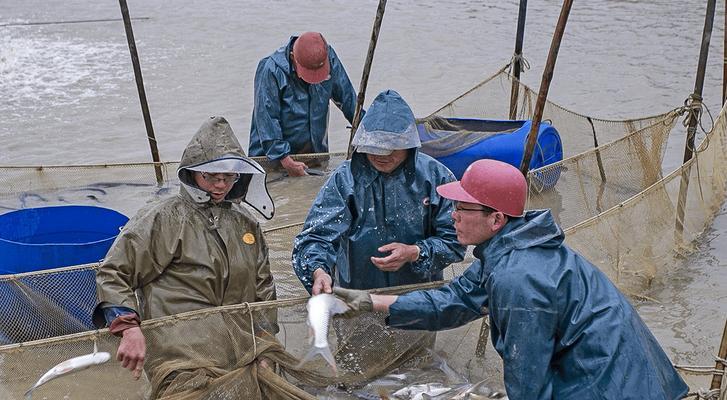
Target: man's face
387 164
217 185
475 224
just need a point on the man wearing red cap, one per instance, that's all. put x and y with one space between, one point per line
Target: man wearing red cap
563 329
293 87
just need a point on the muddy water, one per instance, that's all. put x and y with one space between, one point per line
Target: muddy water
68 93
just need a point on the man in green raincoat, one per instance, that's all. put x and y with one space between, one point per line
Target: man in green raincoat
196 250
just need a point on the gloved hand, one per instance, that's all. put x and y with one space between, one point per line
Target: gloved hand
358 301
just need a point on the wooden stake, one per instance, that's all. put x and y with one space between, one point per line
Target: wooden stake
517 59
724 56
365 76
717 378
545 86
142 92
696 98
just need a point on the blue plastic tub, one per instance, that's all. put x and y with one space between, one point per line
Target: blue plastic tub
33 239
507 144
38 306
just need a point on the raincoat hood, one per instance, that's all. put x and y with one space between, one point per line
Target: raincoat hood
536 228
389 124
281 56
215 149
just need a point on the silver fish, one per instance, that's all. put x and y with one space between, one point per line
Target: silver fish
321 308
68 366
419 391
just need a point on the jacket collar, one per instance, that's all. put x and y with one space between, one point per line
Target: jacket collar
536 228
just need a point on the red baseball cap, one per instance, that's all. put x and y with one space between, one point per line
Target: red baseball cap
491 183
310 55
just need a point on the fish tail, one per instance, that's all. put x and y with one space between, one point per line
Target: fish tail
29 394
325 352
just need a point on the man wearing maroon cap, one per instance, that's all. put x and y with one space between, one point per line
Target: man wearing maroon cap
293 87
563 330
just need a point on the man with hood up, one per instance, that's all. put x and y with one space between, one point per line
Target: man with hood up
293 87
378 221
196 250
563 330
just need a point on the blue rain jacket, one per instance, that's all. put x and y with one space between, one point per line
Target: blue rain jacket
562 328
360 209
290 116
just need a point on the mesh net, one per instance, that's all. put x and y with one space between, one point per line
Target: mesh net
490 99
604 197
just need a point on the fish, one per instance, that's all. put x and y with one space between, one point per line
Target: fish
321 308
477 390
418 392
69 366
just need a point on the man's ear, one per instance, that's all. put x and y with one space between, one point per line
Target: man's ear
500 220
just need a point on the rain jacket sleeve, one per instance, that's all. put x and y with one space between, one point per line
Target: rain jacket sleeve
267 111
343 94
136 258
327 223
463 300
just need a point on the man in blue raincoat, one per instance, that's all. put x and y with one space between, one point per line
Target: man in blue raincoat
562 328
378 221
293 87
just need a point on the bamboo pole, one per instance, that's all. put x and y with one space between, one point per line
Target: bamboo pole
545 85
142 92
696 103
365 76
717 378
724 56
517 59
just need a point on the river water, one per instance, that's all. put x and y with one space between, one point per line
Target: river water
67 91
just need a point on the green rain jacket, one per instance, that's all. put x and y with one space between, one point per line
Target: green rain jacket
186 253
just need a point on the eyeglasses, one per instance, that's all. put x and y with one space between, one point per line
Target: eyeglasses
460 209
227 179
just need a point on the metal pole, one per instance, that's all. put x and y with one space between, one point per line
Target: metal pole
545 85
365 76
517 59
717 378
696 98
142 93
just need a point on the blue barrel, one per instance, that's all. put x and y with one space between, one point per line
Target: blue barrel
43 305
506 142
33 239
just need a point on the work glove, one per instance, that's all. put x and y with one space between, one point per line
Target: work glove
358 301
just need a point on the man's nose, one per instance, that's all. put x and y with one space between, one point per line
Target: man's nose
220 183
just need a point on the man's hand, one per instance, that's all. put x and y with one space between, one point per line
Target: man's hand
132 351
400 255
358 301
294 168
322 282
265 362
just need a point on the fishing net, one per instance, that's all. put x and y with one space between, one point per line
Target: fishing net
613 202
490 99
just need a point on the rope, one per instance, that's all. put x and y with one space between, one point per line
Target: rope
252 328
694 108
704 394
524 63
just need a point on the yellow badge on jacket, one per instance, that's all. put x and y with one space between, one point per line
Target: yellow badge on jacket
248 238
